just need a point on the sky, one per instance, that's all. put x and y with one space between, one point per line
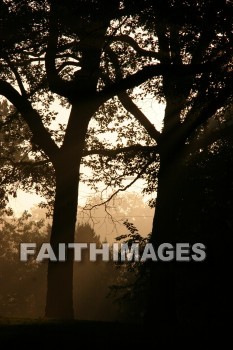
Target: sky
25 201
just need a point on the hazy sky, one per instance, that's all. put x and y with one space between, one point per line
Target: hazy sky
151 108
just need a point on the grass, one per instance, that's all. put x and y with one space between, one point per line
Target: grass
42 333
64 333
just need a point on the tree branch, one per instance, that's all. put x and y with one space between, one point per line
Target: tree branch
62 47
214 136
68 63
214 103
114 152
40 135
127 102
131 42
17 76
206 35
24 163
27 61
127 186
175 46
56 84
160 29
149 72
10 118
131 107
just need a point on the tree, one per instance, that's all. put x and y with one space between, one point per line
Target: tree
190 101
49 49
196 86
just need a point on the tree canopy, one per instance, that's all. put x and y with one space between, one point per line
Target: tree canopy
144 41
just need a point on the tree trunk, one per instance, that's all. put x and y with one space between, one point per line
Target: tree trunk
59 302
161 311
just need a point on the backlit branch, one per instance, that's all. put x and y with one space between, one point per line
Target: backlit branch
17 76
127 102
25 163
131 107
10 118
139 175
40 135
131 42
114 152
56 84
151 71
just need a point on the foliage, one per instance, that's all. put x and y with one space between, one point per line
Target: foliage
23 289
194 98
138 36
23 285
132 285
22 166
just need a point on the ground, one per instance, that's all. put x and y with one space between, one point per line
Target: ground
91 335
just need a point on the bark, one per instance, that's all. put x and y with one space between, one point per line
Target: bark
161 310
59 302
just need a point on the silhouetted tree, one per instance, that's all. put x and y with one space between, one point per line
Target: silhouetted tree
52 47
194 48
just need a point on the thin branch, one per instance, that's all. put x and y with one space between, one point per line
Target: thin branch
43 51
22 63
10 118
114 152
41 59
208 139
131 42
17 76
214 103
24 163
8 177
127 186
